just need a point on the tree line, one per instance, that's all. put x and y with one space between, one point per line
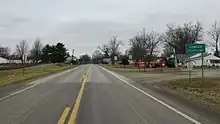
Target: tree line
37 53
145 45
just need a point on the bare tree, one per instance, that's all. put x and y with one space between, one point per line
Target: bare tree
214 33
138 47
22 49
178 37
105 49
36 50
152 41
114 44
5 52
143 46
168 51
97 56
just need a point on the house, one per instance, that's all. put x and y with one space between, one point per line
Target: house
15 61
106 60
209 60
3 60
181 58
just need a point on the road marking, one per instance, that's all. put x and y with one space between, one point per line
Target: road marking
154 98
73 115
64 115
15 93
35 84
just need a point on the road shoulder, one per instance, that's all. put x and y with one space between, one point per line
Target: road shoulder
175 100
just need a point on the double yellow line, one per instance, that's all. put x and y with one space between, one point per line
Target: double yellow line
73 115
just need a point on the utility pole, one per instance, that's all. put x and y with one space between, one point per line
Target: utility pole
144 42
73 54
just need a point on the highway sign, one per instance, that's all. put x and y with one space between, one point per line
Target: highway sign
195 48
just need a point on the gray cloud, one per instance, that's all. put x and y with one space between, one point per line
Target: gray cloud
8 21
4 25
84 24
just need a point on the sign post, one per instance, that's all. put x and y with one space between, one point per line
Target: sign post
189 65
196 48
202 69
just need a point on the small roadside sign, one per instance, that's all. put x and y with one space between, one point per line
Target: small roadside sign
141 64
115 58
130 57
24 58
190 65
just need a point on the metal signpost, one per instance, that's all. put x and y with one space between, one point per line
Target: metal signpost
196 48
189 65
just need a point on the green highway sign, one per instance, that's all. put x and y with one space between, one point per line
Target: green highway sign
195 48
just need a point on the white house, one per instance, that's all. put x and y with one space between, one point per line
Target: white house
3 60
209 60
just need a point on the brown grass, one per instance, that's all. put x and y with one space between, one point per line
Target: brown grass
207 93
17 75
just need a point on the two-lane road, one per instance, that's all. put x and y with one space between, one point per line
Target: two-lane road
105 100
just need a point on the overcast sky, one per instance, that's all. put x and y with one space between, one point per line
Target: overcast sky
84 24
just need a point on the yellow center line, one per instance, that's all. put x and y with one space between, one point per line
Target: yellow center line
64 115
73 115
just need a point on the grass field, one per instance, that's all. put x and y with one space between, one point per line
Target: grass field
18 75
207 93
132 68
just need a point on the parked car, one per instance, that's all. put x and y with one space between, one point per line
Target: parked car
139 64
163 62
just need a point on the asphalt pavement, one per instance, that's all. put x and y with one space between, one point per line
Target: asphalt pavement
105 100
45 102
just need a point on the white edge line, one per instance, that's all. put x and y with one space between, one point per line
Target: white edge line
29 87
154 98
17 92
